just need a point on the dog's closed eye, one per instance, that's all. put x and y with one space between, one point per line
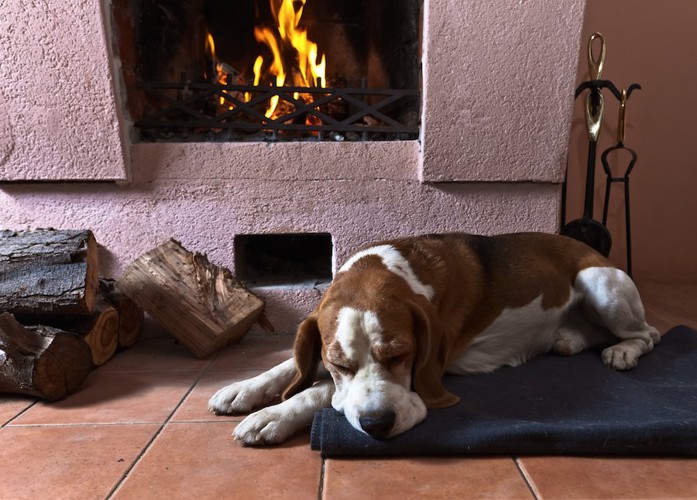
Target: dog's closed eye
397 361
392 355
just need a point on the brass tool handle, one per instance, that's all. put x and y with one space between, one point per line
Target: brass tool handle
594 115
622 120
595 64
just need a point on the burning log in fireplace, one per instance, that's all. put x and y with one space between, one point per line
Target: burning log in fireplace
275 69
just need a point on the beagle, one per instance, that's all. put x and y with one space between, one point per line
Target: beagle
399 314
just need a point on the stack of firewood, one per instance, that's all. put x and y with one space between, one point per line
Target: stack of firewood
58 320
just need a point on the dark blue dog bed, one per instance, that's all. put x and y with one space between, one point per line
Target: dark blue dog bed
551 405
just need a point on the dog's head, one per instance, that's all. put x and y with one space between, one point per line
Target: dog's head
383 347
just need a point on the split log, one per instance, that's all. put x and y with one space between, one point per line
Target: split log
48 272
45 362
131 316
202 305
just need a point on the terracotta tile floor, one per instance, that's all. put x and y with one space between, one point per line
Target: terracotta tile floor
139 429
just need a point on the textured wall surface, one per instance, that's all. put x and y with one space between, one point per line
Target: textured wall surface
58 116
499 82
205 194
205 215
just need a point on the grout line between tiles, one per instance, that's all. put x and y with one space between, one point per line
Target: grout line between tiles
81 424
320 489
18 415
147 446
526 477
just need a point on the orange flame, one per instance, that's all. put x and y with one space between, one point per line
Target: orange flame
308 72
287 37
220 76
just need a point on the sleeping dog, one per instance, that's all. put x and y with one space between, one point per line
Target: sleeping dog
399 314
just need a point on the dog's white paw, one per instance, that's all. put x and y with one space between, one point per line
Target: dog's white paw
240 397
621 356
264 427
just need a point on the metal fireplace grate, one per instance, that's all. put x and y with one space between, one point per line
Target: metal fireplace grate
195 109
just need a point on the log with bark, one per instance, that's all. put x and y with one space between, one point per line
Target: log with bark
48 271
202 305
43 361
99 330
116 321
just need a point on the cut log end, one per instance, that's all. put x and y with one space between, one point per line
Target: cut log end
42 361
102 336
63 367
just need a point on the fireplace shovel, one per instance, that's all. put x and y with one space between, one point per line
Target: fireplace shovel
586 229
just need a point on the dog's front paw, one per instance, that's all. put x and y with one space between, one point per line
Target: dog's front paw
240 397
264 427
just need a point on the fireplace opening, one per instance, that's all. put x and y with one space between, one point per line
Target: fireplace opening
251 70
284 259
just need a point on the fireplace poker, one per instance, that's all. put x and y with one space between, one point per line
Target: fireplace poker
586 229
624 179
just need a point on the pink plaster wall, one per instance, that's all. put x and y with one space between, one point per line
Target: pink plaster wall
58 116
206 213
651 43
204 194
498 89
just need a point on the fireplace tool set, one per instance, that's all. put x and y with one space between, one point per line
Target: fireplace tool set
587 229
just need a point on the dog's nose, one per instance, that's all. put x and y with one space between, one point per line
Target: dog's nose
378 425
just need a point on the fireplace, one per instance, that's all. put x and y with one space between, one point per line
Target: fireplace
272 70
485 153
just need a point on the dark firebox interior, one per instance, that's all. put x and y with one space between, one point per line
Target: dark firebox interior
368 44
371 41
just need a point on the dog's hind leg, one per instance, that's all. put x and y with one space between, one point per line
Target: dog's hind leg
611 299
577 334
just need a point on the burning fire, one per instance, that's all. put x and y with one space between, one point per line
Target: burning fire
305 71
221 75
294 56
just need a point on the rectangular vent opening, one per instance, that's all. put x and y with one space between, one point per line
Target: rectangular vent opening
284 259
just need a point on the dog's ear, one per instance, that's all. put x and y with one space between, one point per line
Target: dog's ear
306 352
431 357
